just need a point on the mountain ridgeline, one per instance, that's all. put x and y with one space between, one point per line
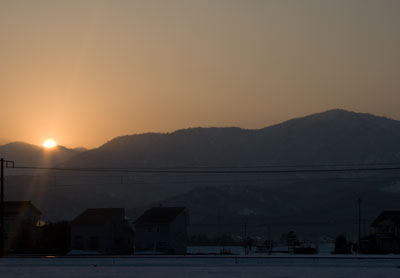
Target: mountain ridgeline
31 155
314 204
335 136
331 137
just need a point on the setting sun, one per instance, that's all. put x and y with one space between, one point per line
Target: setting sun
49 143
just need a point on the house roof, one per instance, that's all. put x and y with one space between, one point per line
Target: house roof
393 215
159 215
19 205
97 216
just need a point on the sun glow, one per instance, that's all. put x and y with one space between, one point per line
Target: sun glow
49 143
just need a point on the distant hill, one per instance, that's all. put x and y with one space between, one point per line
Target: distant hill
313 208
25 154
335 136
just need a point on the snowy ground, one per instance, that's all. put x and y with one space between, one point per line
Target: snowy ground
323 249
193 267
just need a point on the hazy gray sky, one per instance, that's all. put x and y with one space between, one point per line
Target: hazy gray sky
84 72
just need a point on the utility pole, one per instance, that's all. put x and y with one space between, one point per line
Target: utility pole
359 201
246 241
2 207
3 163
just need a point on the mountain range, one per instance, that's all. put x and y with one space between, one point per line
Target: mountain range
330 138
335 136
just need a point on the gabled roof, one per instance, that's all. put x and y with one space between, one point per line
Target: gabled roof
159 215
20 205
98 216
392 215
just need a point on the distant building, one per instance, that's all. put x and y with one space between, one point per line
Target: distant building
21 226
103 230
386 238
162 230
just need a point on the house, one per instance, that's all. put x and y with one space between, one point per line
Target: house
162 230
386 237
388 222
103 230
21 226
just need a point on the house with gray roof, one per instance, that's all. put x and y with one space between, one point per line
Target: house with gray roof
103 230
388 222
162 230
386 238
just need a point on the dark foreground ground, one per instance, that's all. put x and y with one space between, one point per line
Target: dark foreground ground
203 266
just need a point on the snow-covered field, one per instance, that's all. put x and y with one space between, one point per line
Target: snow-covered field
193 267
323 249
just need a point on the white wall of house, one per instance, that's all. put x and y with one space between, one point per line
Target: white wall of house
163 237
387 226
178 234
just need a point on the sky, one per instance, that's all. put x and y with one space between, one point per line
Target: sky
83 72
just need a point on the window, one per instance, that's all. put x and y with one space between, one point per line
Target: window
164 230
161 243
94 243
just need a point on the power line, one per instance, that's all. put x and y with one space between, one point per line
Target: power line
245 167
172 171
267 166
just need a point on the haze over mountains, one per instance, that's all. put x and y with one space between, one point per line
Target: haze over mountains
332 137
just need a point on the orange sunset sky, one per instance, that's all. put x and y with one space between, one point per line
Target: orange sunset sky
83 72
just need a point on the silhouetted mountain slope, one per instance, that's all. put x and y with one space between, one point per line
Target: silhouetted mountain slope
335 136
313 207
31 155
